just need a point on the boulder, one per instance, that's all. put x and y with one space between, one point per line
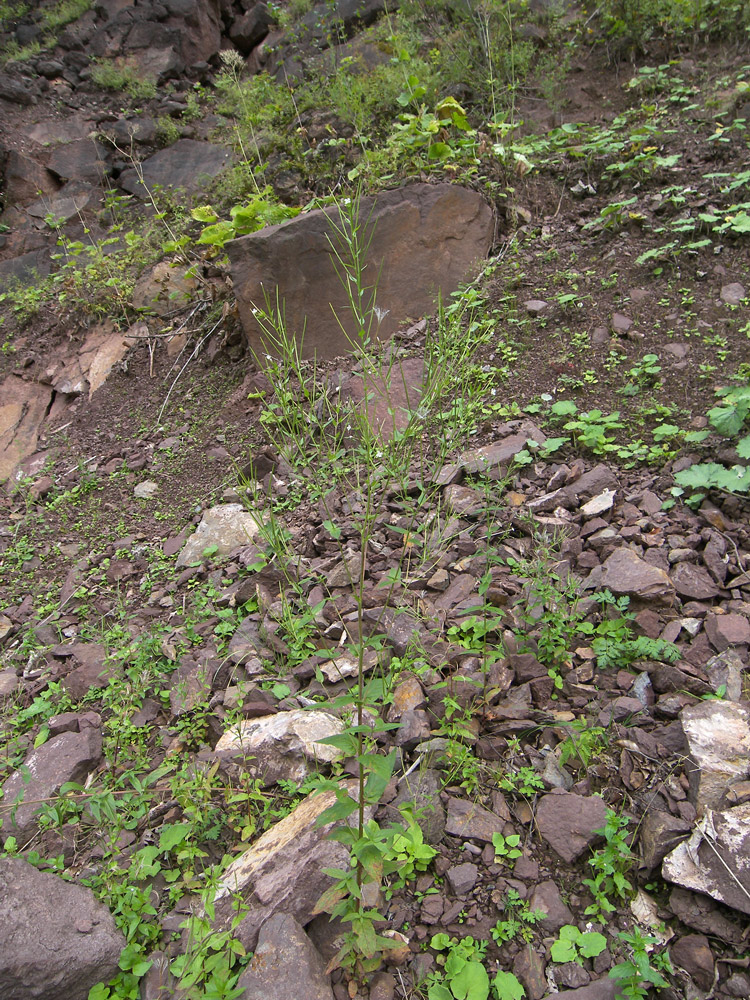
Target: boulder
56 940
282 746
26 179
283 870
187 165
718 738
286 964
223 528
23 408
423 240
714 860
68 757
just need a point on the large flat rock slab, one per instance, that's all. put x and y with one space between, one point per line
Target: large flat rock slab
23 407
56 940
187 165
424 239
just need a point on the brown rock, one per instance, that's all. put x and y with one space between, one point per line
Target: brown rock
659 833
601 989
727 630
546 897
528 966
56 940
388 399
626 573
693 954
68 757
693 581
285 964
425 238
469 820
23 407
568 822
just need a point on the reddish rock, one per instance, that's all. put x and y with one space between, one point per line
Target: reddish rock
693 954
727 630
429 236
568 822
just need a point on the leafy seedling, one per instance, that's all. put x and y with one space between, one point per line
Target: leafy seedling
574 945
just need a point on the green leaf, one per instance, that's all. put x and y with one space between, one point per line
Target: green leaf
701 476
508 987
333 530
592 944
173 835
440 941
563 951
728 420
439 992
471 982
743 447
205 214
439 151
563 408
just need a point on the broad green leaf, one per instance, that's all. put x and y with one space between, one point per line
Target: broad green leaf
592 944
508 987
701 476
439 992
743 447
728 420
564 408
471 982
204 213
563 951
173 835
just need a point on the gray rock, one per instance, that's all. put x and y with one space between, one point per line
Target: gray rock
286 964
726 671
56 940
228 526
714 860
185 165
429 237
702 914
282 746
626 573
568 822
421 791
68 757
80 160
733 293
718 738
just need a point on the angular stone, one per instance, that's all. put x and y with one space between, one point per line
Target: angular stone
659 833
472 821
718 738
81 160
727 630
25 180
282 746
252 28
186 165
534 306
726 671
490 456
593 482
546 897
283 870
56 940
626 573
426 238
68 757
23 408
702 914
528 967
462 878
568 822
163 288
693 954
420 791
285 964
693 581
600 989
228 526
621 323
715 858
598 504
